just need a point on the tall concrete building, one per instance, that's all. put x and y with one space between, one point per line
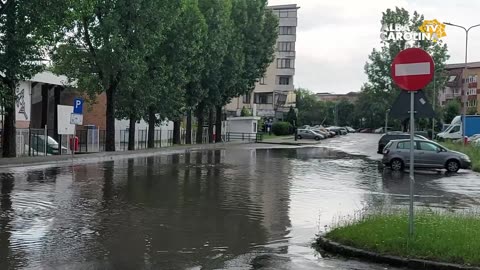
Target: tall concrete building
275 92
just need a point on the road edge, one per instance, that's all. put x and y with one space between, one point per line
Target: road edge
348 251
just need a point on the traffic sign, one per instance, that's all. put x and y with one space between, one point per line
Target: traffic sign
78 106
412 69
76 119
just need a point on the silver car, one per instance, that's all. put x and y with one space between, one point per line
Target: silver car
309 134
428 154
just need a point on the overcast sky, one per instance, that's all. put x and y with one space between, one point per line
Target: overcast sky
335 37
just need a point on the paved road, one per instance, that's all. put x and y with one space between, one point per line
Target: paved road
242 207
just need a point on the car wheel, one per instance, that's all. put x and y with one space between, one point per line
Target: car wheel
396 164
299 137
317 138
452 166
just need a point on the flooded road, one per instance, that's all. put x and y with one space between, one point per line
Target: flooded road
245 207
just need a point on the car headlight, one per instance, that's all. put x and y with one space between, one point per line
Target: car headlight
466 158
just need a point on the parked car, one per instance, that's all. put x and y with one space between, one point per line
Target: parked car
338 130
350 130
325 133
38 144
382 130
427 154
367 130
474 138
394 135
309 134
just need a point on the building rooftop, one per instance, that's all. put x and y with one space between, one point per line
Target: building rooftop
462 65
279 7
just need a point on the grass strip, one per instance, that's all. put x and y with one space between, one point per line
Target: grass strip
443 237
470 150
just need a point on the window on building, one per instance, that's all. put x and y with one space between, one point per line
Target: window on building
286 46
264 98
283 14
287 30
247 98
284 80
254 127
292 14
284 63
262 81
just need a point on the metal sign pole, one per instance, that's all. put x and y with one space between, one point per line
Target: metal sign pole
412 156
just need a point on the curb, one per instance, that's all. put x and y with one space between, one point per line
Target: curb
6 163
348 251
290 143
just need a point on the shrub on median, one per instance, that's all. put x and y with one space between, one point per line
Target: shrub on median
282 128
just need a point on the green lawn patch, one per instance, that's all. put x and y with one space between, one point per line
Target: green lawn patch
267 137
443 237
472 151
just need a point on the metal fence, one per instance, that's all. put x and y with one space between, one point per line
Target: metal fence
39 142
162 138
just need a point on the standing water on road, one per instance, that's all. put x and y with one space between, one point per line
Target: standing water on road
244 207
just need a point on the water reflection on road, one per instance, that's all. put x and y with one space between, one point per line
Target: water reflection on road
239 208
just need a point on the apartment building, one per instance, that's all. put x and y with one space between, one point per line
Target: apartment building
275 92
351 97
456 84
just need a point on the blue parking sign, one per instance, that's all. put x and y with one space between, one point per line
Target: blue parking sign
78 106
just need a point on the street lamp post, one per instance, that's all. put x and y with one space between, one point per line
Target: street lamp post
465 96
386 120
434 99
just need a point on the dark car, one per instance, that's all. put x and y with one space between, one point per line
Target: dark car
394 135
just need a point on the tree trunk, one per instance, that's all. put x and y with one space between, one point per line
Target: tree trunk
151 127
200 121
176 132
9 145
218 124
188 135
131 134
110 117
211 121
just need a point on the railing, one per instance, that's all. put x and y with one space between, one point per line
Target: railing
31 142
244 137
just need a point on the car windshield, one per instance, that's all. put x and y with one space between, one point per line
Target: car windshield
50 140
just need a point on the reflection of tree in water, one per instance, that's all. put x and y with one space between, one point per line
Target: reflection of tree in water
8 258
188 210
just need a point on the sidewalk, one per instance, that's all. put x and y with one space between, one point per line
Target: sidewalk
290 141
105 156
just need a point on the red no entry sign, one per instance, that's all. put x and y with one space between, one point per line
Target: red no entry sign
412 69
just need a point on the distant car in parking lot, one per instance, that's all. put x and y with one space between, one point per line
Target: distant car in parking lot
350 130
394 135
309 134
427 154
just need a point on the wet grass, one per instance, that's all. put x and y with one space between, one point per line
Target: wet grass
444 237
472 151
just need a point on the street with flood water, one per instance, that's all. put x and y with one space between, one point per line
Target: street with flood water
239 207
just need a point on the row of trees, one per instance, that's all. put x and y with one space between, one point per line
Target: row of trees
154 59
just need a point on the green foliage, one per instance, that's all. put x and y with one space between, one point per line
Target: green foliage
472 111
245 112
379 93
452 109
282 128
28 29
447 237
291 116
473 151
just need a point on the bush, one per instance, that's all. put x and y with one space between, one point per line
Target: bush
282 128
